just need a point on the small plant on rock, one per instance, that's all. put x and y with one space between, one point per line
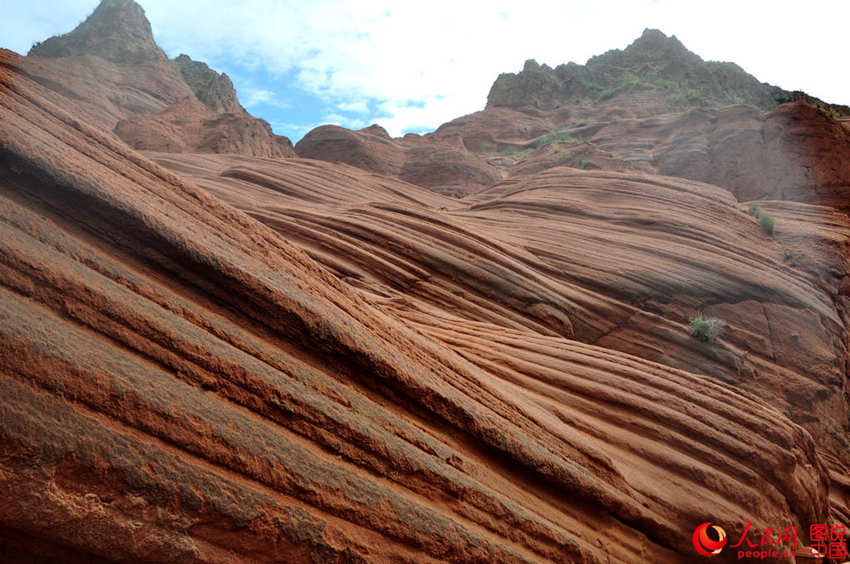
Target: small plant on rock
706 329
556 136
767 223
766 220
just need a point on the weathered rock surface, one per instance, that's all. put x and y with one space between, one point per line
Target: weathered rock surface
444 164
795 152
238 358
654 107
189 126
116 78
655 69
116 31
213 89
181 383
590 256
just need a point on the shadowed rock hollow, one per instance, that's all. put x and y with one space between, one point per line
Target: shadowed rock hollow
237 358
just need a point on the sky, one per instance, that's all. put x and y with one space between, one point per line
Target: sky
411 66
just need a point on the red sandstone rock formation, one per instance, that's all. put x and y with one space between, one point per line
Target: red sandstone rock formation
228 358
654 107
794 152
116 78
188 126
443 164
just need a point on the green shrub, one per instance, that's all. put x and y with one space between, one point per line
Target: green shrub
694 97
515 152
767 222
706 329
685 97
663 82
609 93
556 137
583 163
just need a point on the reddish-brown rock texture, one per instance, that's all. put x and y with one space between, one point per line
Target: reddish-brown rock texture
114 76
441 164
240 358
652 107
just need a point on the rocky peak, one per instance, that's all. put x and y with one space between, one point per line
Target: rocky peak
531 66
654 40
117 31
215 90
651 48
377 131
653 67
131 88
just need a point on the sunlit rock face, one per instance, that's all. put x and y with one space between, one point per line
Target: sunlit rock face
114 76
654 107
467 346
443 165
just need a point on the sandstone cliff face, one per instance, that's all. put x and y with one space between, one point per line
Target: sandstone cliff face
189 126
794 152
230 358
213 89
118 79
443 165
653 107
179 370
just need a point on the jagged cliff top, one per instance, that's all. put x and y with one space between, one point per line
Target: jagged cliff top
213 89
653 66
117 31
126 84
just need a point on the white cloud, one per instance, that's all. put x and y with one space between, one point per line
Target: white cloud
296 129
354 106
251 97
350 123
446 54
24 23
349 52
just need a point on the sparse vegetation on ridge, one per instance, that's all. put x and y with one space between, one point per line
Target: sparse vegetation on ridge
557 136
515 152
767 222
593 85
678 94
706 329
